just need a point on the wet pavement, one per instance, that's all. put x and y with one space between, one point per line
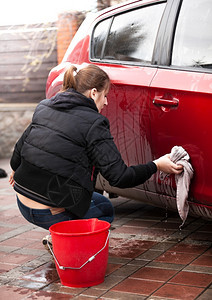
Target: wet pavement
149 257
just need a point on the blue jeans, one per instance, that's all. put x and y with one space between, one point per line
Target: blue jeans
100 208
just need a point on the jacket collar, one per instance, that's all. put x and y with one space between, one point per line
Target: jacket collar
71 99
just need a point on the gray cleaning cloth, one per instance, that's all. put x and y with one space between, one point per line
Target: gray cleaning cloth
180 157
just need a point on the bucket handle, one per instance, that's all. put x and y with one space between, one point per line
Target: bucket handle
89 260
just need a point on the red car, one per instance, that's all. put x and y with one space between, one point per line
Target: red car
158 55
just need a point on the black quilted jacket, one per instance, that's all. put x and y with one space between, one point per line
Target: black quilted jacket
57 159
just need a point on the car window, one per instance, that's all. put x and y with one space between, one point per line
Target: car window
99 36
132 35
193 39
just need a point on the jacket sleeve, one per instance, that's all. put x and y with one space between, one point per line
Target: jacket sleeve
15 160
106 157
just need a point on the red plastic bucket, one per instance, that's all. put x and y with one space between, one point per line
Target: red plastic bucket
80 250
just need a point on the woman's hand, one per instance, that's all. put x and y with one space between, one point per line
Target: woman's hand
11 179
165 165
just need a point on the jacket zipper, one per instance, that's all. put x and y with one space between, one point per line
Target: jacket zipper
92 173
30 191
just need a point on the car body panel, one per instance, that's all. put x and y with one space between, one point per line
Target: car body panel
152 108
184 124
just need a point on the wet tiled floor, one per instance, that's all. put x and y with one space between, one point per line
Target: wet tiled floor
149 257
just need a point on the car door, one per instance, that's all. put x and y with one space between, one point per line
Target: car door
181 96
126 55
